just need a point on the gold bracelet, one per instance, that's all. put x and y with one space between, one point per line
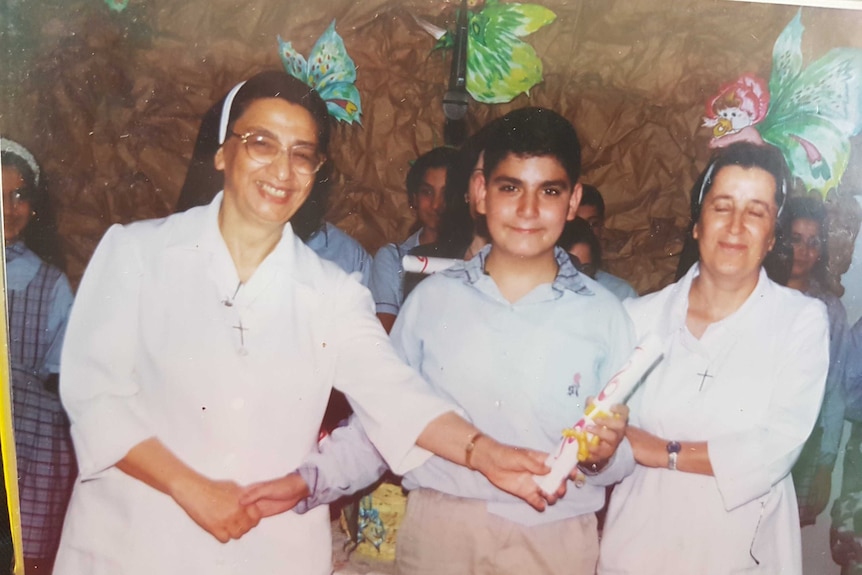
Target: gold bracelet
471 446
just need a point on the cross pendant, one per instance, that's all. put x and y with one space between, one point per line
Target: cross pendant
705 374
242 331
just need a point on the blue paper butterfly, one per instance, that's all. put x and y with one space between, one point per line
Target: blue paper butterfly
329 70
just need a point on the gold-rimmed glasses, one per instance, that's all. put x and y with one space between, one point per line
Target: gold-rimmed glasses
264 149
798 241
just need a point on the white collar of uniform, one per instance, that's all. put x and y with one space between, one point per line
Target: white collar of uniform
679 300
197 229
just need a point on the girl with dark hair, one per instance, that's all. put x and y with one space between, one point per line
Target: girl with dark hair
462 231
39 299
201 353
717 426
812 474
426 185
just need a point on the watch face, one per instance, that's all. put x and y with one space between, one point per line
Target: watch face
673 447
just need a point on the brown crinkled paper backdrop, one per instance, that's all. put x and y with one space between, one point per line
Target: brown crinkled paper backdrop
110 103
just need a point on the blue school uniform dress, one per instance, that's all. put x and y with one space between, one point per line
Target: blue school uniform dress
387 275
39 300
332 244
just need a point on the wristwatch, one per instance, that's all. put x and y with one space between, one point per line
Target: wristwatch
591 469
673 448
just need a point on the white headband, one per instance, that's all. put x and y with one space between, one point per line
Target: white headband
17 149
225 112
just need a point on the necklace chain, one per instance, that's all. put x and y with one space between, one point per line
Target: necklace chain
228 301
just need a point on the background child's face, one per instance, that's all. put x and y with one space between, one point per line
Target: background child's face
527 201
591 215
431 198
16 212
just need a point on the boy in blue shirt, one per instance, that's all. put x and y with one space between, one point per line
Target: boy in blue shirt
518 339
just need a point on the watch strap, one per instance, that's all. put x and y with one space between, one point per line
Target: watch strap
673 449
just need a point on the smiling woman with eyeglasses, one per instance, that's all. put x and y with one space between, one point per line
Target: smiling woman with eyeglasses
201 353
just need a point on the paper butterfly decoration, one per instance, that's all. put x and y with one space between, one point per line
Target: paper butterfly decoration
117 5
329 70
809 113
371 526
499 65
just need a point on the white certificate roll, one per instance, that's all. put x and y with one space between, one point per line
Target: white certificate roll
426 265
617 390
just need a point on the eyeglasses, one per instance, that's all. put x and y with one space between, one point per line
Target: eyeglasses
595 223
264 149
811 244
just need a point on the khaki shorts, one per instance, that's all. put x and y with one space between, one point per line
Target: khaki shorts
443 535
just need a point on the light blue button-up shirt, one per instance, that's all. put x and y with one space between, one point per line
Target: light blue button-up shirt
521 372
617 286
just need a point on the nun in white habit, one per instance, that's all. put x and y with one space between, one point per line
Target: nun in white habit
717 426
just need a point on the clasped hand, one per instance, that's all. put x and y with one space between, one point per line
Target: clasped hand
216 507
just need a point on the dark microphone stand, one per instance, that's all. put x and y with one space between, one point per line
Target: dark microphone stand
455 99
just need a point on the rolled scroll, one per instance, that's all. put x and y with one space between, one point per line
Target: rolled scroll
617 390
426 265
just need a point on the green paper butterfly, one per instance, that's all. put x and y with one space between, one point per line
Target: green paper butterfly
499 65
813 110
330 71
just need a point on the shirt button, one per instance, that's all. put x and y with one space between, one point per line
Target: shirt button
238 403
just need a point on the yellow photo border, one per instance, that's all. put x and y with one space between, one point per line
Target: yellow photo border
7 439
